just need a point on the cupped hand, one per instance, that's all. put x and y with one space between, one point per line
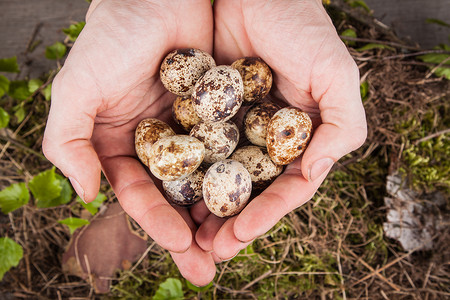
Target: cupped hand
313 71
109 82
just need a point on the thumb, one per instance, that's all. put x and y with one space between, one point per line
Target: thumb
343 127
67 135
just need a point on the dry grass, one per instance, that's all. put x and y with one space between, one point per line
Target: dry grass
331 248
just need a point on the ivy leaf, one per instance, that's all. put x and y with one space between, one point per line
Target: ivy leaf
74 223
9 65
170 289
47 92
19 90
93 206
11 254
45 187
438 58
359 3
437 21
74 30
13 197
55 51
4 118
34 85
4 85
64 197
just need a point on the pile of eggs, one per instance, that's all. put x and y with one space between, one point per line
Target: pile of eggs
207 163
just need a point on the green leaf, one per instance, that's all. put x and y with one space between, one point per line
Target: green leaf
47 92
66 193
55 51
435 58
11 254
359 3
9 65
93 206
45 187
4 118
74 30
4 85
437 21
170 289
74 223
34 85
371 46
19 112
13 197
350 33
198 288
364 89
19 90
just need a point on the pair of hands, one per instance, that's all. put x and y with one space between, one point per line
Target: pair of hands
110 81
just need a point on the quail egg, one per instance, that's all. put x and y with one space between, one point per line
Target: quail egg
186 191
174 157
288 134
256 120
147 133
220 139
181 69
227 187
262 169
183 112
217 96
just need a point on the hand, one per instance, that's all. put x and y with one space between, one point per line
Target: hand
313 71
109 82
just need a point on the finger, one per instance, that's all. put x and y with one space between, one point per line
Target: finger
142 200
289 191
207 231
199 212
226 245
195 265
68 131
343 127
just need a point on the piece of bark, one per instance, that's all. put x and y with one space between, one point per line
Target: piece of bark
107 244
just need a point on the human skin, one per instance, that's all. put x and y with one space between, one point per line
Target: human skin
110 81
313 71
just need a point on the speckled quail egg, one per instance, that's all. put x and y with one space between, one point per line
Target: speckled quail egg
183 112
181 69
174 157
217 96
220 139
256 76
227 187
186 191
147 133
288 134
262 169
256 120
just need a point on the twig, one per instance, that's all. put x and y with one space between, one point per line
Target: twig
392 44
415 54
437 67
25 148
431 136
251 283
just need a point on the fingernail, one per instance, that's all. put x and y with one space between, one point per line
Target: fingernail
319 167
77 187
231 257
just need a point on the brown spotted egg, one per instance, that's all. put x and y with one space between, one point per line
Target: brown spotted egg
174 157
256 76
217 96
256 120
262 169
181 69
227 187
186 191
220 139
183 112
288 134
146 134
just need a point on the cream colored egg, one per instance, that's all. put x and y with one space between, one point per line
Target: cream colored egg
220 139
186 191
288 134
183 112
227 187
256 120
147 133
174 157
